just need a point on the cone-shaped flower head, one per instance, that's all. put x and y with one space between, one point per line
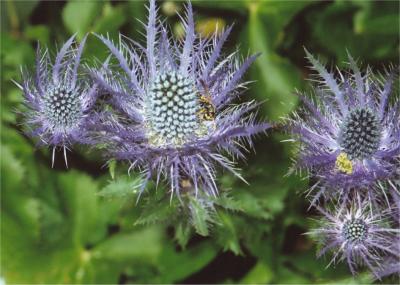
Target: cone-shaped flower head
359 236
172 112
57 99
350 133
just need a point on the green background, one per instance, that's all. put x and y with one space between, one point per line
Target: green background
82 224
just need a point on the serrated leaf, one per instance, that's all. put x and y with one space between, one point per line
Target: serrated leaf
12 170
227 233
29 263
228 202
183 232
200 216
122 187
52 225
156 211
79 195
252 205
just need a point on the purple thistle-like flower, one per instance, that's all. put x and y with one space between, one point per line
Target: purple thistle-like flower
58 101
356 234
172 106
349 133
391 266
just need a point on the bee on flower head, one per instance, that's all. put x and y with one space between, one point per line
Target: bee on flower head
207 109
168 124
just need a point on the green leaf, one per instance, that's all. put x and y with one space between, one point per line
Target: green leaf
122 187
378 18
111 167
183 232
252 205
175 266
299 262
16 14
15 53
261 273
141 245
12 170
275 77
112 18
52 223
81 206
39 33
156 211
282 12
227 233
363 278
356 29
228 202
30 258
381 25
201 216
137 13
238 6
29 263
78 16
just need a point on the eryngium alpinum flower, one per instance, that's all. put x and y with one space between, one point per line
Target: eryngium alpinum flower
350 133
356 234
58 101
390 267
173 114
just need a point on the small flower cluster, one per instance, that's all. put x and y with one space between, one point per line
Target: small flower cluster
349 143
166 107
59 102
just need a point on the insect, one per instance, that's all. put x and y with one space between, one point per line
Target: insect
207 108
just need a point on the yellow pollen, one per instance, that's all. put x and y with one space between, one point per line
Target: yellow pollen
343 163
186 183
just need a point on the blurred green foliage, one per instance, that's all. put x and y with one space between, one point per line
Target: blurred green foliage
83 225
